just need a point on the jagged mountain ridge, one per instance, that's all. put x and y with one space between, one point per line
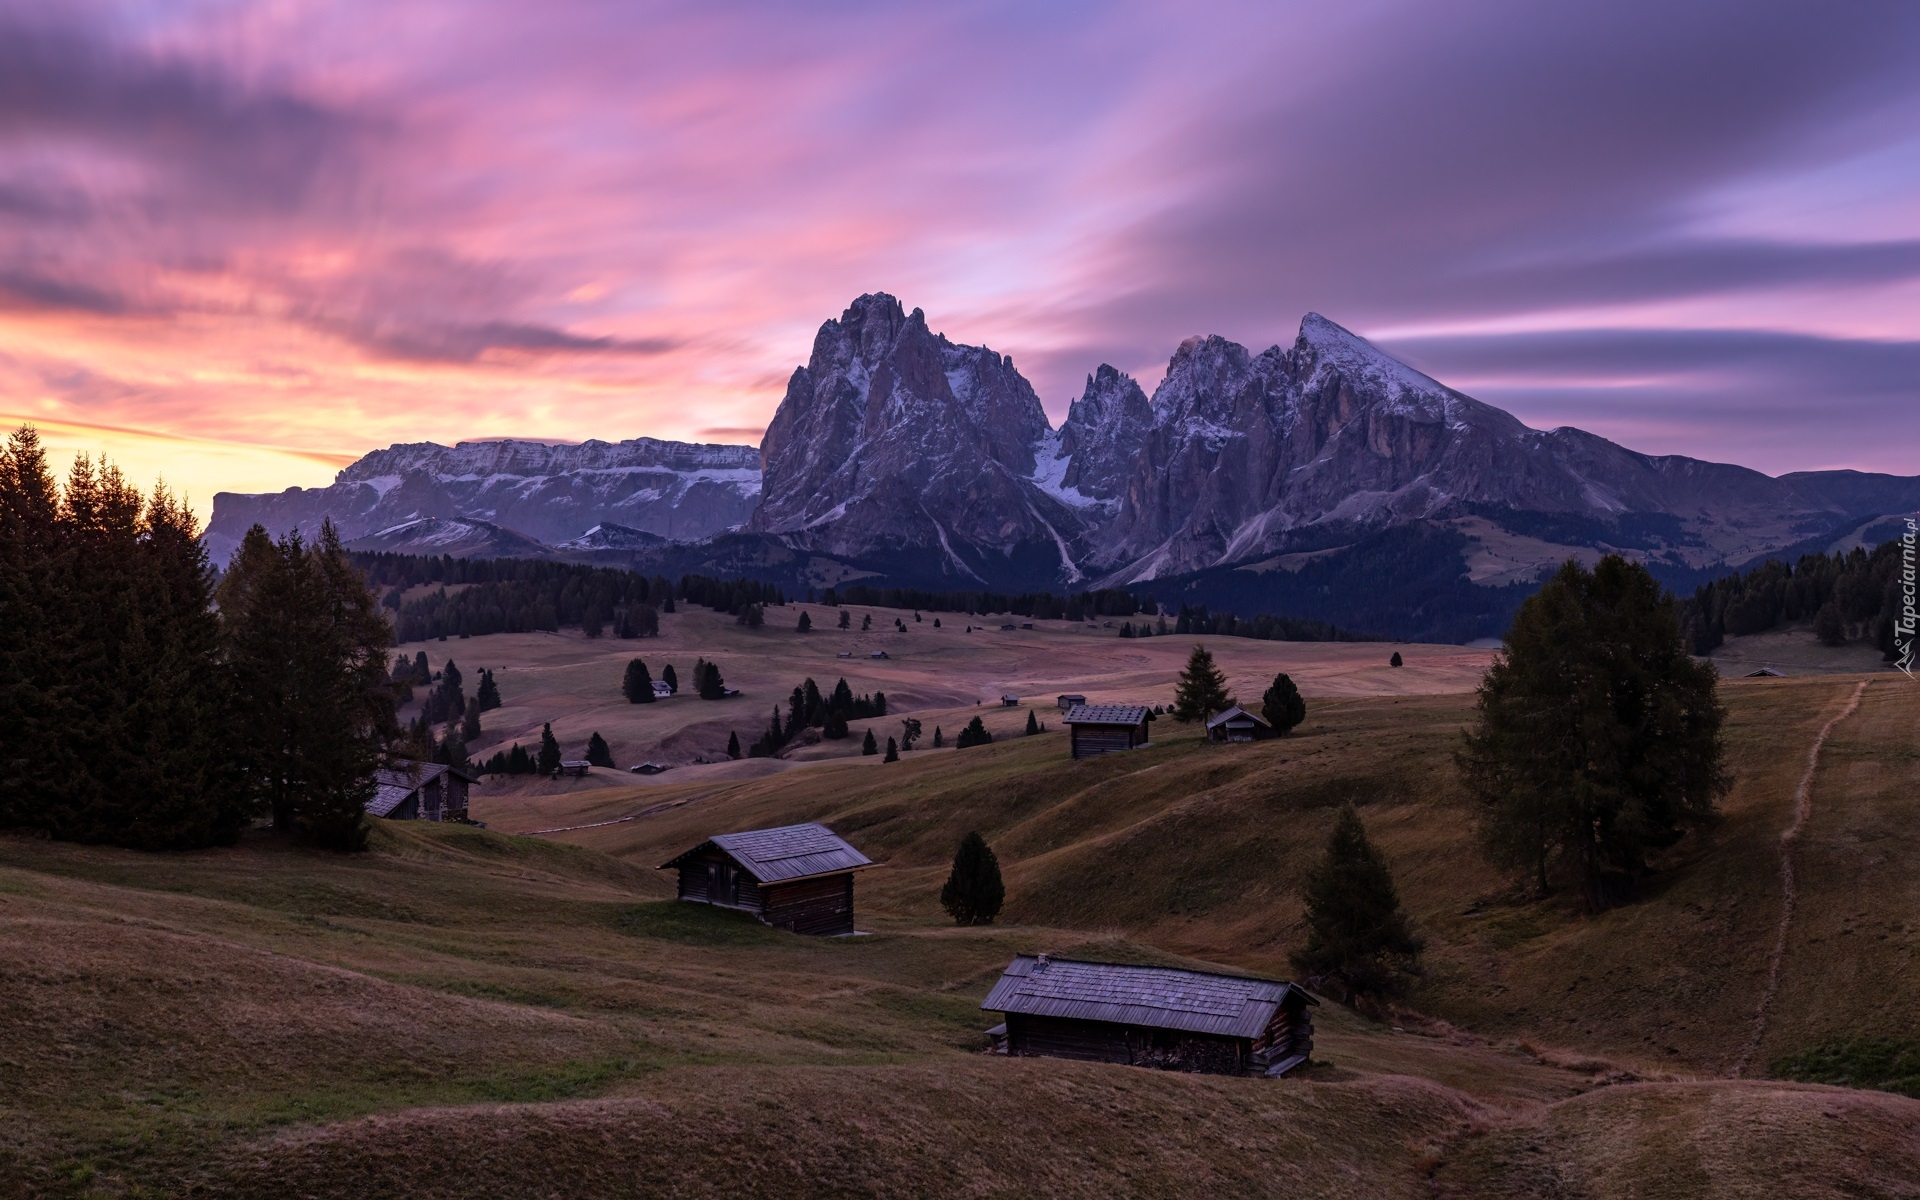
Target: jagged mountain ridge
899 455
549 493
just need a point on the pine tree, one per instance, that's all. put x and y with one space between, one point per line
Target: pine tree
1202 690
836 726
975 734
670 679
1282 705
909 733
806 622
549 762
1358 941
1829 626
866 622
708 683
598 752
637 685
846 619
939 739
1033 723
470 724
1396 660
973 892
936 622
733 745
893 750
307 646
869 746
593 624
752 616
1597 740
487 697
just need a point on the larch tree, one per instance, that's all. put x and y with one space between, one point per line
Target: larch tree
1359 943
974 892
1282 705
1202 689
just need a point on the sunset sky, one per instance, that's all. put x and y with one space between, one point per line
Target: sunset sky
243 243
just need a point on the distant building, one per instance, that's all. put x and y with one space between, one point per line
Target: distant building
878 654
1150 1017
1766 673
660 689
1096 729
1009 700
417 791
1006 629
575 766
650 768
797 877
1068 699
1237 725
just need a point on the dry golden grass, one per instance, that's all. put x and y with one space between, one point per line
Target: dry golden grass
464 1011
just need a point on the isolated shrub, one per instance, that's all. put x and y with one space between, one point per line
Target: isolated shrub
973 892
805 624
1395 660
1358 941
1282 705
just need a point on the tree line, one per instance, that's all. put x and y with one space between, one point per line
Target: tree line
1193 619
1847 596
146 707
1077 606
809 708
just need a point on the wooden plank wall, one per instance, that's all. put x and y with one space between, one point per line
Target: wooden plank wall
820 906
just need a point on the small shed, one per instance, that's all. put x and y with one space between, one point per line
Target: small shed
797 877
660 689
1237 725
878 654
1009 700
575 766
1067 700
1160 1017
417 791
1766 673
1097 729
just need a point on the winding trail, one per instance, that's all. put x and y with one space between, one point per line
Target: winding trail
635 816
1789 893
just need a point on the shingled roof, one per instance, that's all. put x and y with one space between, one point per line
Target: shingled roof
1107 714
392 785
1155 997
788 852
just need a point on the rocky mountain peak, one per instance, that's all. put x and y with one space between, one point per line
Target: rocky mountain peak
1103 432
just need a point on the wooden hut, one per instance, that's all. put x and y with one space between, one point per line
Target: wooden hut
417 791
1067 700
797 877
1151 1017
1098 729
1237 725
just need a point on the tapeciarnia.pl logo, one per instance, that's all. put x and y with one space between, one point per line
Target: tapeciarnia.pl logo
1903 624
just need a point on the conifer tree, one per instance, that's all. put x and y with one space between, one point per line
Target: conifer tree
1597 739
1033 723
846 619
866 622
1202 690
306 643
637 685
1829 626
487 697
1396 660
549 762
836 726
806 622
975 734
893 750
1359 944
672 680
1282 704
909 733
470 724
973 892
869 746
733 745
598 752
708 683
939 739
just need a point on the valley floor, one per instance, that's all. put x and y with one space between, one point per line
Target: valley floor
464 1011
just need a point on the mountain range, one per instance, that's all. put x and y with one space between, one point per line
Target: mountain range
1323 479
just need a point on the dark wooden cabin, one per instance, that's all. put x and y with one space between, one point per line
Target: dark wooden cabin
1107 728
797 877
1151 1017
417 791
1237 725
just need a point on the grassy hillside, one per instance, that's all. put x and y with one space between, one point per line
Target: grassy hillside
465 1011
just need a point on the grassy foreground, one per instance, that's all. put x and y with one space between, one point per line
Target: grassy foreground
466 1012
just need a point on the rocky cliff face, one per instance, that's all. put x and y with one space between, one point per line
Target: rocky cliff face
896 445
549 493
